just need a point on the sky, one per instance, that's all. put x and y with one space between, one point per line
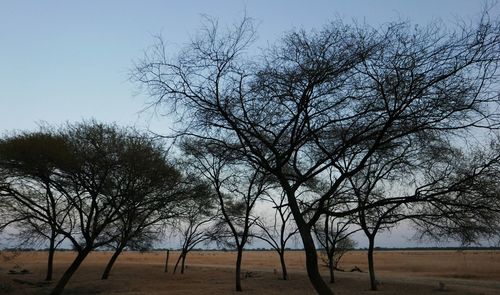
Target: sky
68 61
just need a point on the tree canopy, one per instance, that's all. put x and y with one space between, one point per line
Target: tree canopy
323 104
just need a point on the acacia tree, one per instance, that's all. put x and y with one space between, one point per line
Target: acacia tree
374 183
97 180
372 222
153 194
333 235
237 185
195 222
430 174
279 232
32 190
313 99
95 150
472 211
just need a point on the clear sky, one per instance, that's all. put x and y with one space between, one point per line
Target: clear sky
69 60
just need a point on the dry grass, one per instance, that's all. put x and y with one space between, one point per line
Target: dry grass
400 272
484 265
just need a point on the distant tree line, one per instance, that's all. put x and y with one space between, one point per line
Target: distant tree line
335 131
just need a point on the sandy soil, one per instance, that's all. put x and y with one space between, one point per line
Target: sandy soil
399 272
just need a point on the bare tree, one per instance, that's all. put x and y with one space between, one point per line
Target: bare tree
342 247
280 231
237 185
343 92
372 222
429 174
195 222
471 212
333 235
376 183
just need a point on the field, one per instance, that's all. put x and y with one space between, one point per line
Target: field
399 272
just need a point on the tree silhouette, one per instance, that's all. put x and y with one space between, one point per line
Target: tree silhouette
153 193
237 185
333 235
194 224
33 191
75 183
277 233
318 98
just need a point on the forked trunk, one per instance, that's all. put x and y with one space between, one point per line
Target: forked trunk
178 261
309 248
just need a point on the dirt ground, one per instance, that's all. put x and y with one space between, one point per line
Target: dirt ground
399 272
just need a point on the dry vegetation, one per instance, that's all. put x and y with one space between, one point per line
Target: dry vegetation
400 272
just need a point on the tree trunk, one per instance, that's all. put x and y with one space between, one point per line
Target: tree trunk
330 267
312 263
178 261
111 262
166 261
50 260
238 269
59 288
283 265
310 250
183 262
373 281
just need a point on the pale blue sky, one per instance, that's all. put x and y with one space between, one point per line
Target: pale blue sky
68 61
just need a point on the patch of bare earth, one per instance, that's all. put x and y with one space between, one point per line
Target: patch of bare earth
399 272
